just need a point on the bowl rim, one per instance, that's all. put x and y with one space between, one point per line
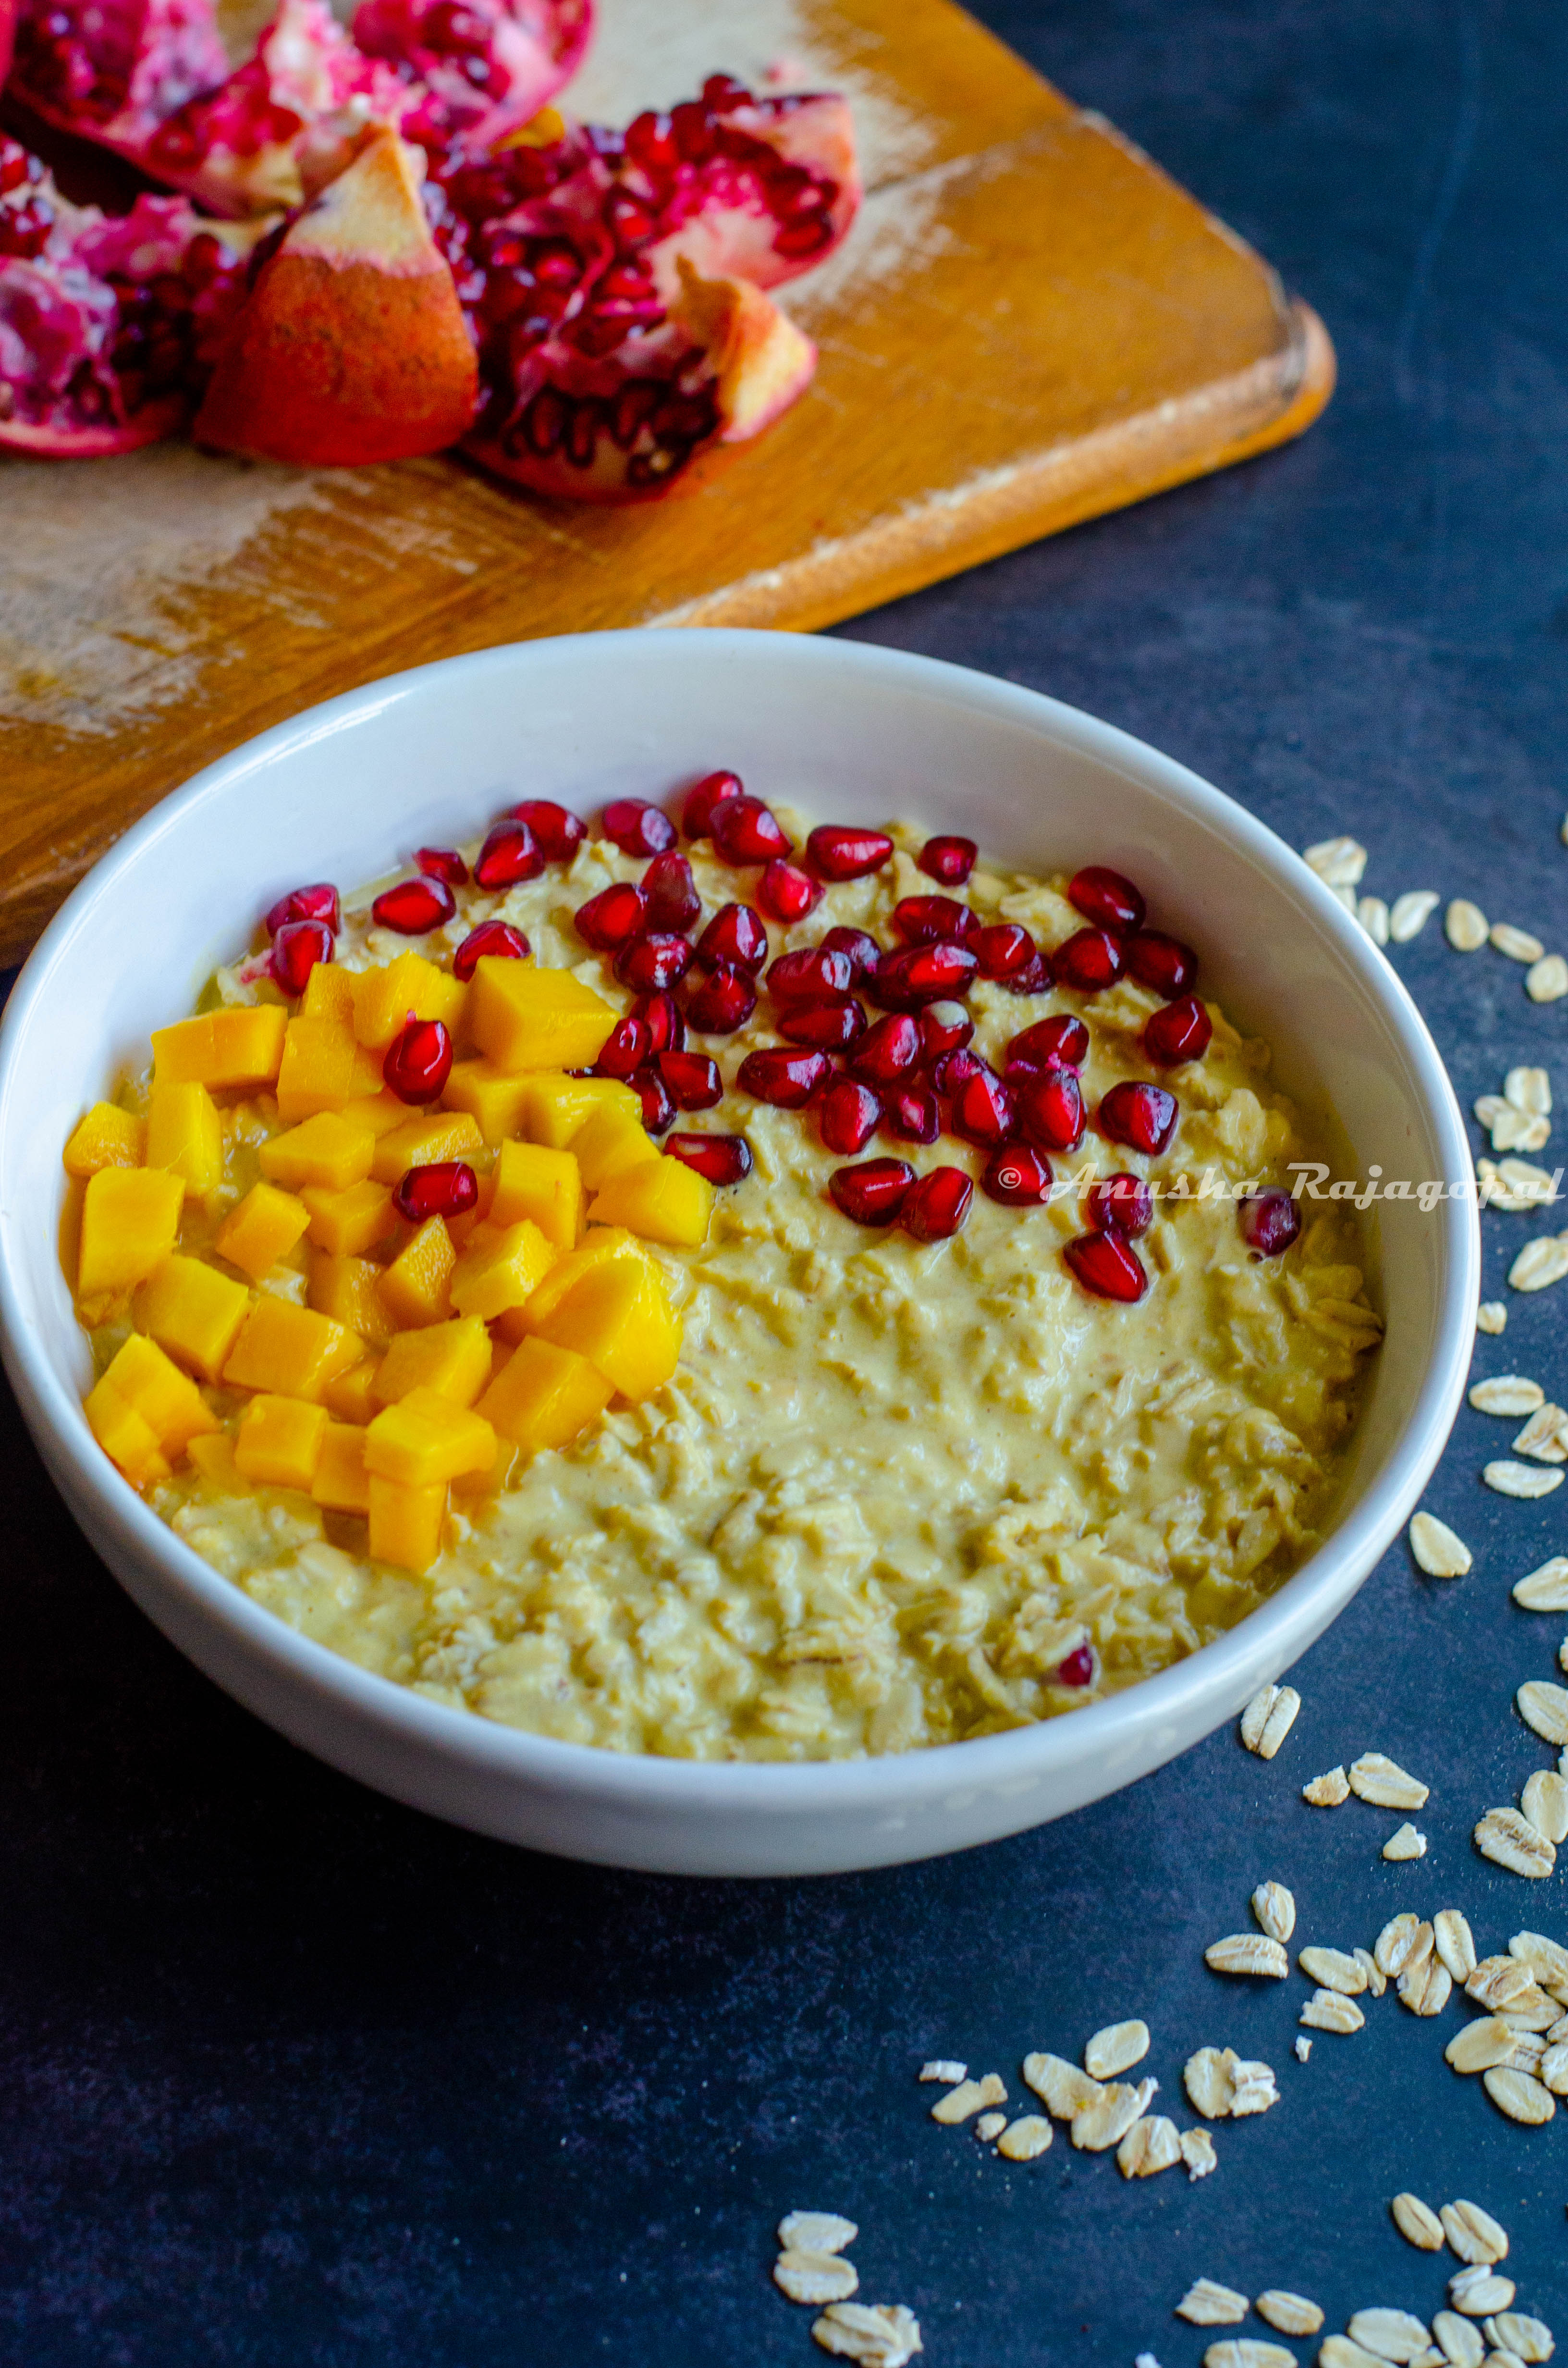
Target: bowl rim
1260 1646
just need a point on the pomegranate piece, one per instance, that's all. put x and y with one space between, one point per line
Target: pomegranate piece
1107 899
1051 1109
921 974
786 892
723 1158
1141 1116
721 1002
1108 1266
983 1108
863 950
637 827
414 906
1270 1221
938 1204
889 1050
296 949
1090 959
493 940
849 1115
1018 1175
944 1028
629 1044
1059 1043
737 935
787 1078
746 831
317 904
441 863
927 921
913 1114
1004 950
835 1026
692 1079
474 72
1122 1204
449 1189
1177 1033
1033 979
955 1069
1077 1669
653 962
613 917
673 899
510 854
418 1061
1163 964
658 1102
661 1015
947 858
837 852
558 833
815 972
874 1192
697 812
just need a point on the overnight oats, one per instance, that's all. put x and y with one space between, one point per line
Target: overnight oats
744 1290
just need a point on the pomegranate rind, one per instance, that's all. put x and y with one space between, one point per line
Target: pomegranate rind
352 346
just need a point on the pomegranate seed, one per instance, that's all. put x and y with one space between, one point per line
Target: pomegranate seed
723 1001
697 813
1033 979
735 934
616 914
1270 1221
673 899
921 974
510 853
495 941
863 950
661 1015
1050 1110
1107 898
913 1114
637 827
835 1026
982 1110
1177 1033
955 1069
937 1206
653 962
889 1049
944 1028
947 858
784 1076
874 1192
419 1060
296 949
449 1189
626 1048
723 1159
835 852
1017 1177
1108 1266
1162 963
929 920
1078 1669
317 904
557 831
1060 1042
1090 959
746 831
787 893
414 906
849 1115
1143 1116
1122 1204
1004 950
810 974
692 1078
442 863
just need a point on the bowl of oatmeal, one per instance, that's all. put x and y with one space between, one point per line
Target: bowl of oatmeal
939 1403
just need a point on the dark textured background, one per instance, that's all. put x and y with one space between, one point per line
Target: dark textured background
292 2076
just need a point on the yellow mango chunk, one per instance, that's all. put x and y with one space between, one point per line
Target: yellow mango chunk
126 1438
502 1268
193 1312
327 1150
406 1523
185 1134
608 1143
349 1397
213 1456
289 1351
262 1229
492 1096
130 1223
663 1201
545 1186
425 1438
279 1441
329 994
416 1287
424 1141
346 1290
525 1017
544 1397
238 1047
341 1482
452 1359
556 1108
596 1248
617 1316
323 1067
167 1401
107 1136
410 987
381 1113
492 1482
349 1222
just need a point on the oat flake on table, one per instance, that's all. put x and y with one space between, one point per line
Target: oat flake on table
1268 1718
1116 2049
1376 1778
1275 1908
1438 1551
1410 913
1292 2313
1417 2223
1546 1588
1396 2335
1247 1953
1206 2302
1327 1791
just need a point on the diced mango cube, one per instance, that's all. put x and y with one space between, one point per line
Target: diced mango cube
492 1482
346 1289
425 1438
493 1096
289 1351
617 1316
262 1229
502 1268
544 1396
349 1397
525 1017
213 1456
185 1134
279 1441
556 1108
543 1185
107 1137
596 1248
452 1359
327 1150
153 1386
129 1224
324 1065
608 1143
385 999
241 1046
381 1113
663 1201
415 1288
126 1437
341 1482
349 1222
329 994
406 1523
424 1141
193 1312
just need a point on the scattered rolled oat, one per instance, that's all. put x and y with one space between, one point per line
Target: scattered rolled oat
1275 1908
1511 1479
1438 1551
1332 1969
1547 980
1499 1983
1327 1791
1526 2337
1540 1263
1062 2087
1426 1984
1303 2048
1396 2335
1403 1940
1506 1393
1377 1980
1517 944
1546 1961
1374 917
1544 1707
1105 2122
1405 1842
1545 1803
968 2097
1479 2290
1208 2303
1417 2223
1530 1089
1492 1316
882 2334
1292 2313
1514 1184
1331 2011
1116 2049
1248 2352
1385 1784
1520 2096
1268 1718
989 2126
1206 2077
1460 2343
1339 2351
1510 1127
1465 925
1198 2152
816 2232
1545 1589
1479 2045
1338 862
814 2277
1025 2139
1247 1953
1153 2144
1545 1436
1253 2089
1411 912
947 2068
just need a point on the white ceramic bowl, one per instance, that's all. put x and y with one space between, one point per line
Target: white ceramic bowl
846 731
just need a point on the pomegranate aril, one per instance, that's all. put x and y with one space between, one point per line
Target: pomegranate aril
658 1104
837 852
1107 898
296 949
442 863
418 1061
784 1076
315 904
786 892
449 1189
810 974
558 833
697 813
1004 950
1059 1043
944 1028
956 1068
638 827
653 962
1090 959
723 1159
1108 1266
1078 1669
662 1017
982 1110
1051 1109
863 950
510 854
938 1204
1141 1116
722 1001
626 1048
947 858
1016 1176
616 914
835 1026
929 920
913 1114
1177 1033
889 1049
874 1192
493 940
1163 964
849 1115
744 830
1033 979
414 906
692 1078
735 934
673 899
1269 1220
921 974
1122 1204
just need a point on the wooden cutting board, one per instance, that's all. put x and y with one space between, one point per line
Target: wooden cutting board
1029 324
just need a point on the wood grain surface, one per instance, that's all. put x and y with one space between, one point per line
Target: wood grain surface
1031 324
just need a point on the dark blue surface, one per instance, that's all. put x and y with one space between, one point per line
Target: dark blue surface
292 2076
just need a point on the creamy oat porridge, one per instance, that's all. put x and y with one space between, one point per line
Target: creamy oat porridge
894 1407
